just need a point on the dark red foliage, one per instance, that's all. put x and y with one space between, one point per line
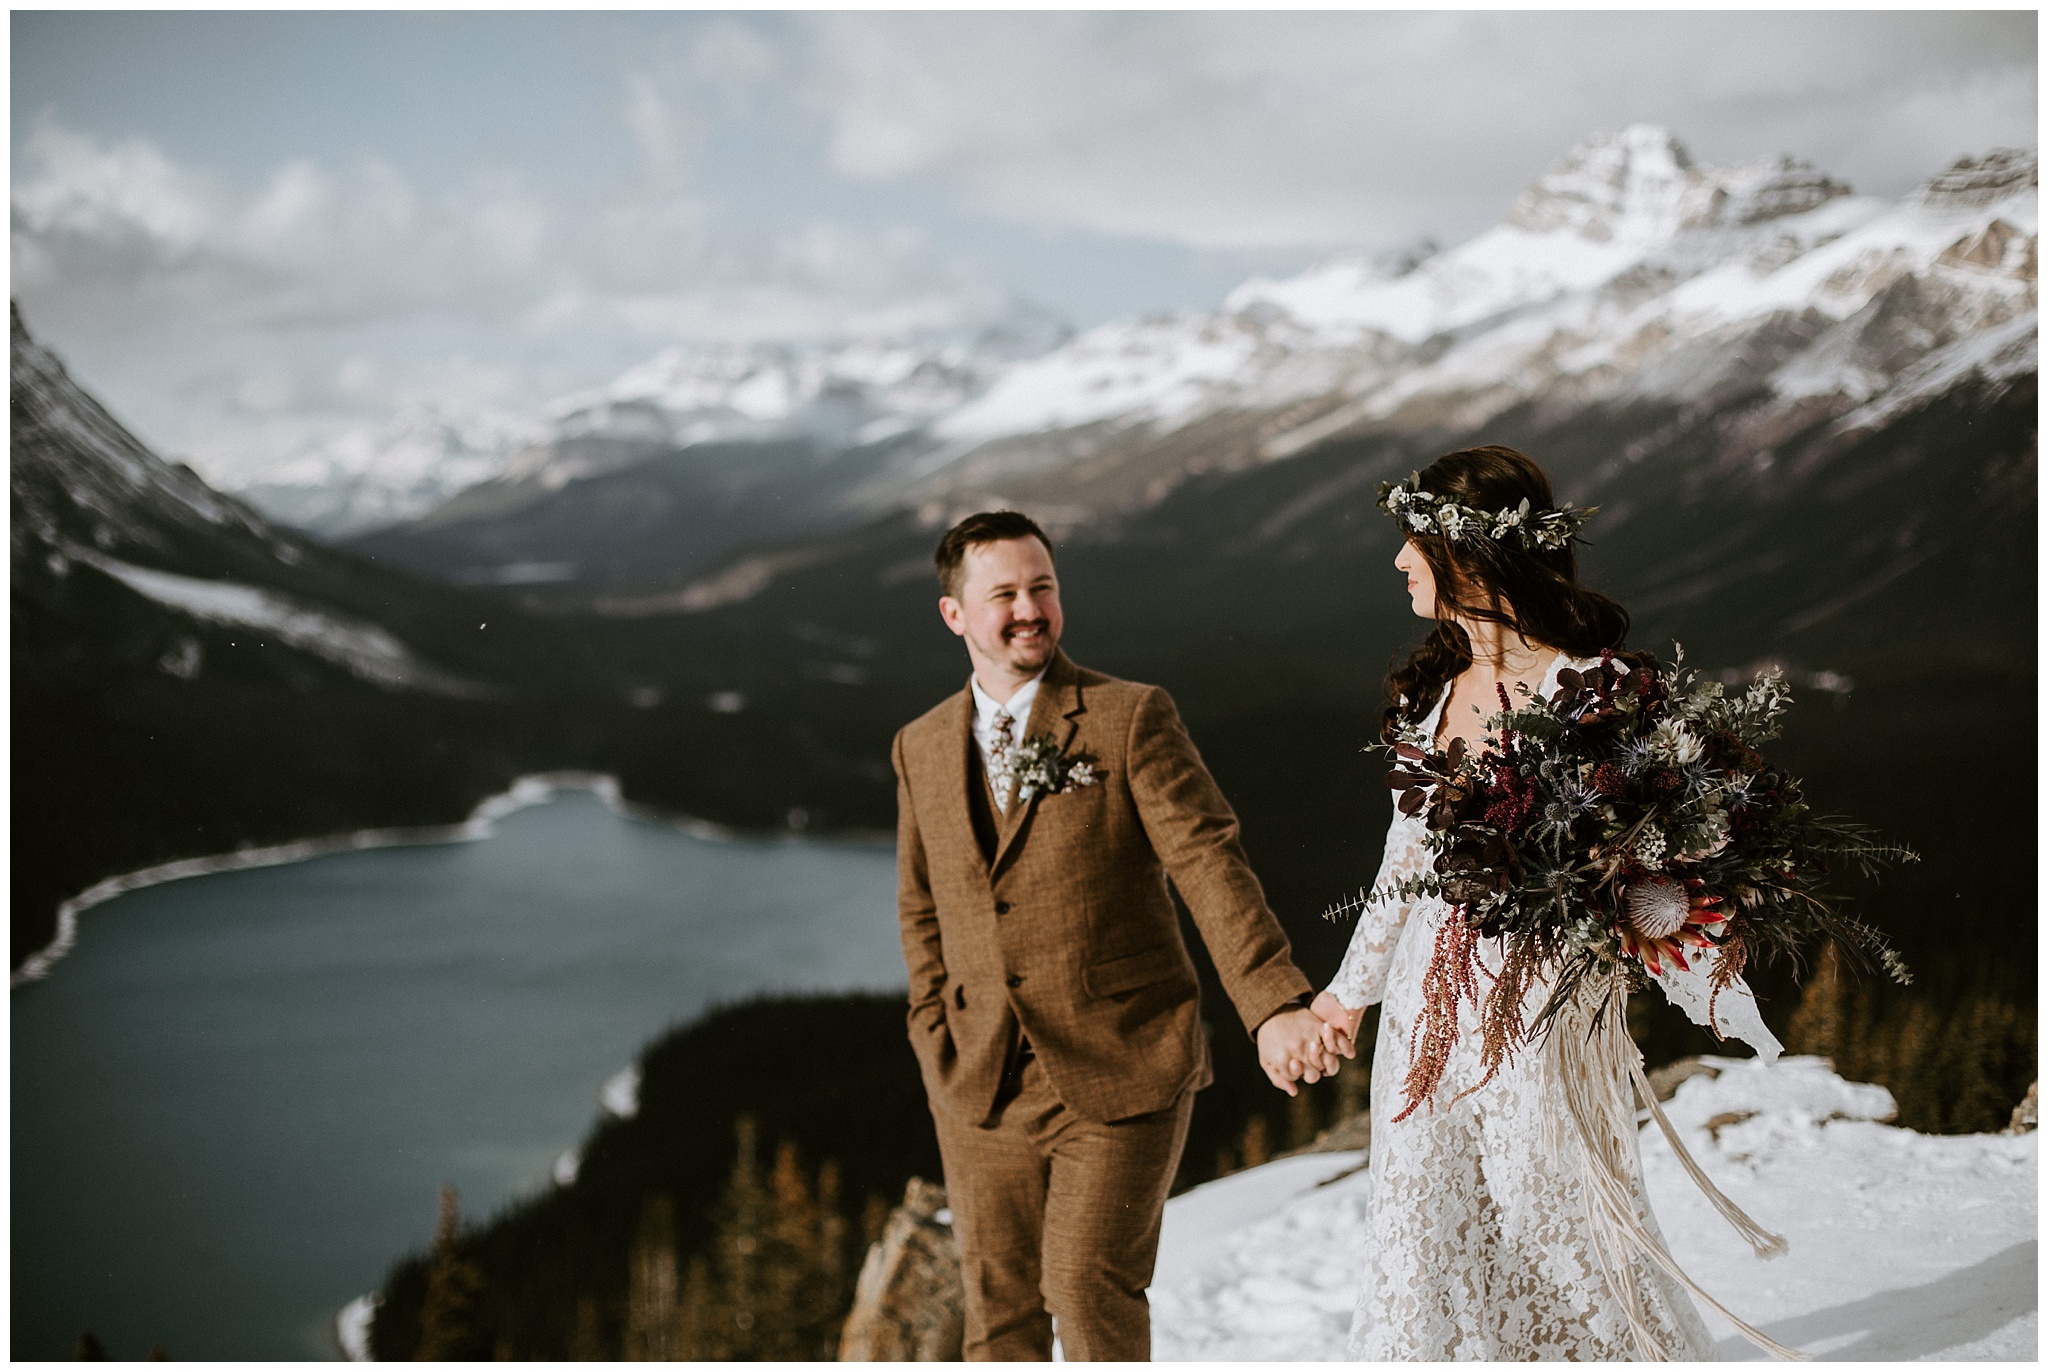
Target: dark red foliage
1727 753
1510 800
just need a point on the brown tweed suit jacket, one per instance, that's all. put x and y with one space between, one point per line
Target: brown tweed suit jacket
1070 931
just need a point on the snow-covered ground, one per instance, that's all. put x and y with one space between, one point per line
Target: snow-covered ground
1902 1245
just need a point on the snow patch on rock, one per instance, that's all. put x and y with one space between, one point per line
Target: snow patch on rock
620 1094
365 649
352 1328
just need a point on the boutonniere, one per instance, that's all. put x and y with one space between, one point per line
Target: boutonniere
1039 764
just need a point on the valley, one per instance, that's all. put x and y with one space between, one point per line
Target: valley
1808 418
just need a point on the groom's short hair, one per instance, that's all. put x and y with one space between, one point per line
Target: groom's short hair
990 526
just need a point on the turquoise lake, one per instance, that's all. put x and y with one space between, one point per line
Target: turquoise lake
235 1101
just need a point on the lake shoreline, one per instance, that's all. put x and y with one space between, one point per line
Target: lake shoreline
404 1020
534 788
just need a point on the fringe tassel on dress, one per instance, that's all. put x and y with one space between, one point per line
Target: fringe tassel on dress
1591 1060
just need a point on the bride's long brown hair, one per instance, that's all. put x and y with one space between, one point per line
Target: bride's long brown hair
1533 591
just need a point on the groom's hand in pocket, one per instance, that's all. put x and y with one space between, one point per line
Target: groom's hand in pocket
1291 1049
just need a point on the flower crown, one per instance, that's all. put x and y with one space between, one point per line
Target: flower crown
1426 513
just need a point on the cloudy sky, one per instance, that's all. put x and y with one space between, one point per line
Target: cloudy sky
264 236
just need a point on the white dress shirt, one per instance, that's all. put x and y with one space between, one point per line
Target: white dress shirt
1018 708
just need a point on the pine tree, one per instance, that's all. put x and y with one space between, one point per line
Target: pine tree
1866 1038
453 1323
779 1272
1257 1151
651 1284
744 1214
790 1261
778 1278
1971 1066
1304 1118
1819 1023
1912 1049
699 1321
587 1344
832 1293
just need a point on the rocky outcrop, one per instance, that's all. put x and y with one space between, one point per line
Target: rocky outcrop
2026 1116
1666 1080
909 1304
1972 181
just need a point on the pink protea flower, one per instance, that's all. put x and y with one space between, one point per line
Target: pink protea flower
1662 917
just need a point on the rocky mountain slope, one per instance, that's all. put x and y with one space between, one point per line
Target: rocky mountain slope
1625 279
90 498
1838 478
1808 419
190 679
828 396
1625 275
408 467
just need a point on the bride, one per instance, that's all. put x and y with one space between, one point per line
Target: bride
1480 1244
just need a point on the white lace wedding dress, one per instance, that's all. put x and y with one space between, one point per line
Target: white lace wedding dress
1478 1246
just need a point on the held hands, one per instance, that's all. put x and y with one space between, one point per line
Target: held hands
1339 1026
1291 1049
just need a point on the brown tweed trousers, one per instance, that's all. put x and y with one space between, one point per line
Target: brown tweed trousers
1050 923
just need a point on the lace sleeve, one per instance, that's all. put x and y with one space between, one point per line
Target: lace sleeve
1362 979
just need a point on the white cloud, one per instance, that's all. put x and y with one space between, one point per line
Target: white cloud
675 96
117 231
665 144
122 228
305 311
264 331
1267 130
1930 126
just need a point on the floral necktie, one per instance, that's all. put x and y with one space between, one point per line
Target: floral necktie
1001 760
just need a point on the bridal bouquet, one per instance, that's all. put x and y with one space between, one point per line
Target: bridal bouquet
1627 826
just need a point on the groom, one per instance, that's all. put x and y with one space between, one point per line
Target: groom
1053 1007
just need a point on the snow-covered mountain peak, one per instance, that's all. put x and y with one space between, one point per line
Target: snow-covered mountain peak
1611 204
399 470
838 392
1626 272
1744 193
1629 184
1162 366
1640 186
1969 182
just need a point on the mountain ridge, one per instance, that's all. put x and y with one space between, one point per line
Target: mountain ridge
1624 275
837 394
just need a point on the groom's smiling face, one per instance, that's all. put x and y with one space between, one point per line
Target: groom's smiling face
1008 608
